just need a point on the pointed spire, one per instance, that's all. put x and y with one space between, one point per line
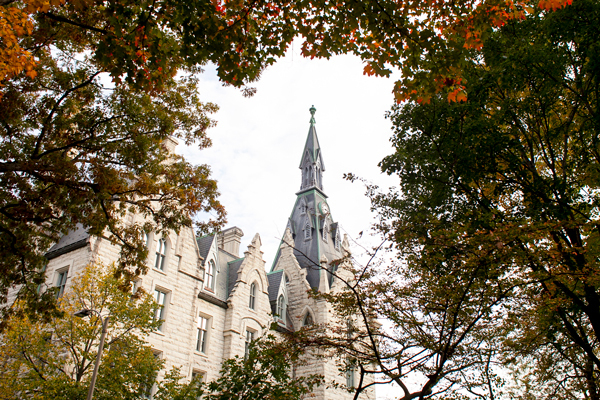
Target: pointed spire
311 163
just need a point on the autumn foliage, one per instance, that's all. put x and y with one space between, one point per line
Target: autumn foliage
92 93
429 42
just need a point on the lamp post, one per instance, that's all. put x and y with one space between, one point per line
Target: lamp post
85 313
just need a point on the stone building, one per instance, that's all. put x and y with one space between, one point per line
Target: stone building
214 300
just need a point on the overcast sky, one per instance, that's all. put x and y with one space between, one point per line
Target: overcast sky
258 144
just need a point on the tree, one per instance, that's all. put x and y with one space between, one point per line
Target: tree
263 374
91 92
495 222
430 42
55 359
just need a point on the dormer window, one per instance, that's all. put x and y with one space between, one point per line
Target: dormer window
337 239
281 306
210 276
325 229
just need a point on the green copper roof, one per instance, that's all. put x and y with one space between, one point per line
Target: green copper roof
312 142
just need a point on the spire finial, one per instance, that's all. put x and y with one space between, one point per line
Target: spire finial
312 115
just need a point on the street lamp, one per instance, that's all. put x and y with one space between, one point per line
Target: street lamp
86 313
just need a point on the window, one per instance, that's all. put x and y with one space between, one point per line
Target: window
350 364
325 229
281 307
337 238
202 336
198 376
161 299
148 390
210 276
146 238
308 319
303 207
61 282
307 229
350 377
252 296
249 339
161 252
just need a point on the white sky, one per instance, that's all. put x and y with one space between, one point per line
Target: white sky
258 143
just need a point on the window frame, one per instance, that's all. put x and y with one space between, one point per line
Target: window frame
160 313
211 275
202 326
350 378
247 342
62 275
161 254
307 229
281 306
252 299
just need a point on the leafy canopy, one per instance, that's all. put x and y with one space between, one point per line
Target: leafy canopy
55 359
91 92
263 374
495 221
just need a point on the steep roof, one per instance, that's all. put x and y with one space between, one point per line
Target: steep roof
312 146
275 279
73 240
204 244
232 272
313 228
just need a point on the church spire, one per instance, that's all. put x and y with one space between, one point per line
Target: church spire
311 163
316 236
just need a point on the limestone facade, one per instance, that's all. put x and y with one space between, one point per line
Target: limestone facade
216 300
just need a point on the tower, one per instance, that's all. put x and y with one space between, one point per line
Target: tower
315 235
313 257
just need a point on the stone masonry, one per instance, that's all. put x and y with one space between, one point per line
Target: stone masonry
215 300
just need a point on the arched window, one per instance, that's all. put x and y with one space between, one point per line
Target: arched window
325 228
306 176
307 229
210 275
252 296
308 319
161 254
281 307
303 207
